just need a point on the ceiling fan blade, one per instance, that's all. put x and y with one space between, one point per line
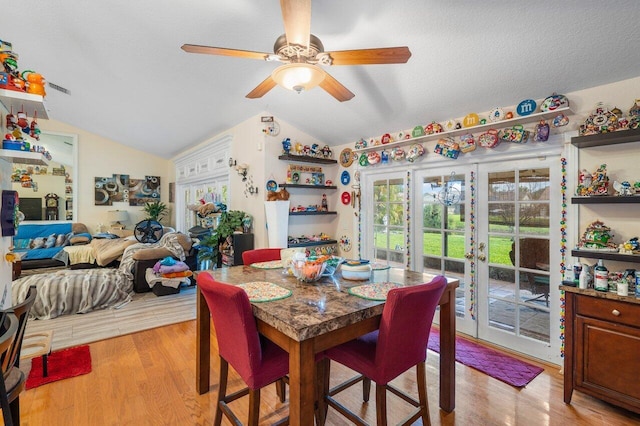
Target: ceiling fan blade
262 88
384 55
336 89
296 15
210 50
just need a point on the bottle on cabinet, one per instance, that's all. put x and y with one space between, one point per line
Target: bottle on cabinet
583 279
601 277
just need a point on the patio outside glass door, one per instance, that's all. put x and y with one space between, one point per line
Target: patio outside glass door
518 225
443 229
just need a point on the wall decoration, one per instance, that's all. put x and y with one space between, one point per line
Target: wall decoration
120 188
142 191
172 192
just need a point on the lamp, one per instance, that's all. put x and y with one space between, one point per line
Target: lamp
298 76
242 170
117 216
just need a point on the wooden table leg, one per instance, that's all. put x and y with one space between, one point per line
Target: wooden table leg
301 383
203 343
448 352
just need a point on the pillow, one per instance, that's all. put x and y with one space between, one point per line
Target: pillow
22 243
151 253
77 239
51 240
61 239
37 243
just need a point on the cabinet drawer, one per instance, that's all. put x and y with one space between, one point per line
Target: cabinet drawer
605 309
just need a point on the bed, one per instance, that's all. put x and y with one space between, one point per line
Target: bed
77 291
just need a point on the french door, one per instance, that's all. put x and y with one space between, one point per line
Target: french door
490 225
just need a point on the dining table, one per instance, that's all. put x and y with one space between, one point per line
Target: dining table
316 316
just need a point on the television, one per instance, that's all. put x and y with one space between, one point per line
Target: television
31 208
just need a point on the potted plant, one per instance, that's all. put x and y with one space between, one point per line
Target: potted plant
155 210
209 247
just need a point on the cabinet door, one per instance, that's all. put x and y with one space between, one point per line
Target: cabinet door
607 363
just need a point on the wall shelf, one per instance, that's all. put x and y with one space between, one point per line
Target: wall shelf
312 243
307 159
311 213
613 138
26 102
606 255
606 199
24 157
297 185
531 118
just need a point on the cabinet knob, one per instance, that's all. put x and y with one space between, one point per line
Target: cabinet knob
616 312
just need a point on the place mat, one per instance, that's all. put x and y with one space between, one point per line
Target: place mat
270 264
377 266
374 291
262 291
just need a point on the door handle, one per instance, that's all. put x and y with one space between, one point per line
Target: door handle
468 255
482 257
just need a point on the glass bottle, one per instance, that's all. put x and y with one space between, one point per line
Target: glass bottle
601 277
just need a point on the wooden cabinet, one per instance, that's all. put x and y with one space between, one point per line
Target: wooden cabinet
236 245
602 343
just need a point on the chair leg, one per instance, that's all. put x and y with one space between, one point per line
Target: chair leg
421 379
323 368
254 407
222 390
381 405
281 390
366 389
6 411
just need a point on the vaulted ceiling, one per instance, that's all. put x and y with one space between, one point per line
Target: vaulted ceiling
129 81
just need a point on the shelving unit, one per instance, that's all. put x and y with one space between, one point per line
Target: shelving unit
298 185
26 102
606 255
312 243
606 199
531 118
24 157
307 159
310 213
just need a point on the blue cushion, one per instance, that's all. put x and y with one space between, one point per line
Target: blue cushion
31 231
43 253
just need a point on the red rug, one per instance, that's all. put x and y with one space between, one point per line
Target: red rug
62 364
496 364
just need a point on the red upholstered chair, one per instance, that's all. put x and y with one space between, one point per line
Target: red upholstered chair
399 344
260 255
256 359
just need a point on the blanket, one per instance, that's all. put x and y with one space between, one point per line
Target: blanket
74 291
168 241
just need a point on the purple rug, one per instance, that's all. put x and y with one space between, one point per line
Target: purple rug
496 364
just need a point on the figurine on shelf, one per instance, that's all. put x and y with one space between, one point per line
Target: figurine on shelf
630 246
622 188
596 183
597 237
325 206
286 146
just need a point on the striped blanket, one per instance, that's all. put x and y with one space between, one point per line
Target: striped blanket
79 291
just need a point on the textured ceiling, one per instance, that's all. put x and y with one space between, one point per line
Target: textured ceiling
130 81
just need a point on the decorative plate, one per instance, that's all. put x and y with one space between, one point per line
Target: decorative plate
554 102
345 243
496 114
345 177
346 157
526 107
471 120
364 160
346 198
272 185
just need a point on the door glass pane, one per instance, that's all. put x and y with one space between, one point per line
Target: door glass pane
502 315
389 221
454 242
502 186
396 190
535 323
502 283
396 215
499 249
534 218
533 184
432 242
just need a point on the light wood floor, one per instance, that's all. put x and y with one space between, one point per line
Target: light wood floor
148 378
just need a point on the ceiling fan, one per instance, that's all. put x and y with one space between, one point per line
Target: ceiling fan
302 53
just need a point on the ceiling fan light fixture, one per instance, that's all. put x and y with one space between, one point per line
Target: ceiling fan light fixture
298 77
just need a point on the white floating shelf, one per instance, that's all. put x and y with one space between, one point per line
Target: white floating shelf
531 118
26 102
24 157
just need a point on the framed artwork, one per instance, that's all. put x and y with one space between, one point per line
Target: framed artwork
120 188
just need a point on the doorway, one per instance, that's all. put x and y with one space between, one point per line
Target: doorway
490 225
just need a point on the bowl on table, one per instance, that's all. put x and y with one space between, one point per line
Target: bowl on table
308 271
356 270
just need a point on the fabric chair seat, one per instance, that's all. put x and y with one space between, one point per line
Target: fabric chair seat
260 255
275 364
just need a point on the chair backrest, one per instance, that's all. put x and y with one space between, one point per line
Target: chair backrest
260 255
8 328
405 326
21 311
236 330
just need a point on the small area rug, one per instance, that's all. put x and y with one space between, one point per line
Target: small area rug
62 364
496 364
